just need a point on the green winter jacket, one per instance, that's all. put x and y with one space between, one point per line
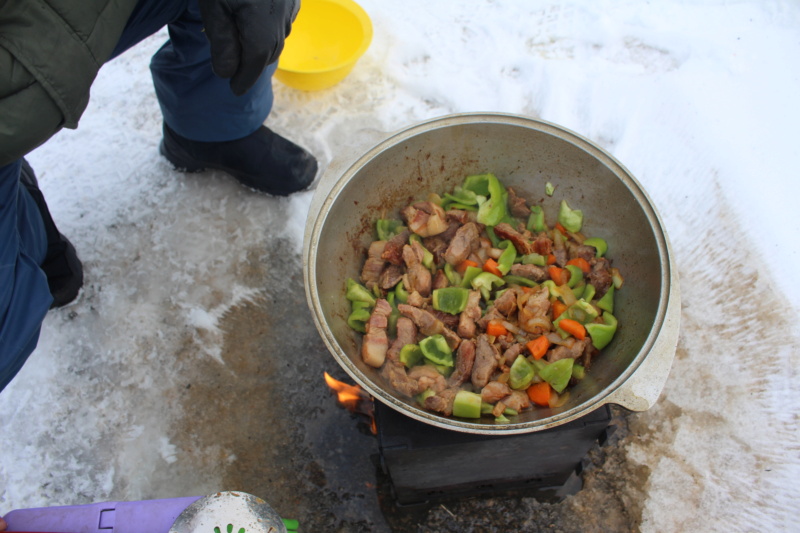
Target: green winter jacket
50 53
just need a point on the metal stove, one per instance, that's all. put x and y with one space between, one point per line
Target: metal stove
424 464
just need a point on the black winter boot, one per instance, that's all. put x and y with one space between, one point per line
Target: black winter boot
61 264
263 160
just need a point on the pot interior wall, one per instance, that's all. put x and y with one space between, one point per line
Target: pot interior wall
409 167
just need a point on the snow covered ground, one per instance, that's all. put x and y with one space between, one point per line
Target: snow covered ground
697 99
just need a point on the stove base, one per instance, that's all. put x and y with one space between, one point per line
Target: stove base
424 464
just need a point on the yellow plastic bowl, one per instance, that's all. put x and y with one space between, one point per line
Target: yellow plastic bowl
327 39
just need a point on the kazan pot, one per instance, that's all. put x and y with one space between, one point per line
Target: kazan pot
435 156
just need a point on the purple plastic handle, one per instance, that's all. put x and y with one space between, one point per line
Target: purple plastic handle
151 516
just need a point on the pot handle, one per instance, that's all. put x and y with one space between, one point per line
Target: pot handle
642 389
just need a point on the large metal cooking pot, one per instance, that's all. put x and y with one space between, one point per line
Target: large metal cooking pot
435 156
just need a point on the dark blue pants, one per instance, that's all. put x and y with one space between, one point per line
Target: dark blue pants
195 103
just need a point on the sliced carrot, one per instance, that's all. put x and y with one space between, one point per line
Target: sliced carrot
491 266
496 328
581 263
573 327
538 346
558 308
463 265
551 259
539 393
561 228
558 274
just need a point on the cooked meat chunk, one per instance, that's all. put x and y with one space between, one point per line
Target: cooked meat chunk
511 353
486 358
533 309
542 245
465 241
467 318
491 314
518 205
428 324
406 334
428 378
561 257
584 251
458 215
600 276
416 299
419 277
573 350
450 321
373 266
506 303
376 342
425 219
517 400
395 373
391 276
442 402
439 280
465 359
494 391
521 242
393 252
532 272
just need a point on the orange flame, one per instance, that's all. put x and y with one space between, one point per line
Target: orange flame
354 399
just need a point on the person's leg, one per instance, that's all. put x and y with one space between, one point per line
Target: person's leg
207 126
24 292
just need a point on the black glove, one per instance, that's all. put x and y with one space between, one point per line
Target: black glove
246 36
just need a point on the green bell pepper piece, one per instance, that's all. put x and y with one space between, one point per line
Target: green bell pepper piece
557 374
467 404
486 408
485 282
427 256
602 334
589 292
606 303
388 228
534 259
358 318
492 236
521 374
453 277
410 355
549 189
575 275
478 183
462 196
581 311
442 369
469 275
506 258
493 210
358 293
519 280
600 245
451 300
427 393
502 419
552 288
571 219
578 371
401 293
536 219
579 289
436 350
